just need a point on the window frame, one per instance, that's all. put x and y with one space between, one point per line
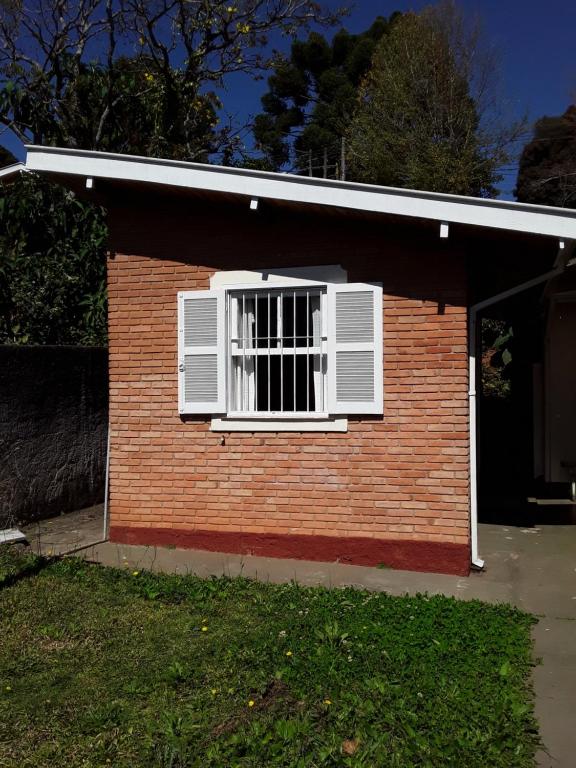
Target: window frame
329 279
284 287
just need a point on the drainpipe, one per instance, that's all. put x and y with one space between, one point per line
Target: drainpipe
106 489
473 311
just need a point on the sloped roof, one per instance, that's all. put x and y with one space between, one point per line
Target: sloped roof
457 209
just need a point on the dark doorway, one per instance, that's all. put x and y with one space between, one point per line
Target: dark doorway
512 347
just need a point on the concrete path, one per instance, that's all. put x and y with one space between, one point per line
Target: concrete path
66 533
539 567
532 568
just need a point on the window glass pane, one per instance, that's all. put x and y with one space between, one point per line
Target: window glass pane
262 322
288 320
288 371
302 320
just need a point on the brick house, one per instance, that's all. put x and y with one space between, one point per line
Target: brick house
292 360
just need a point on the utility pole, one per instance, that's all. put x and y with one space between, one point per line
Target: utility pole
309 162
343 159
325 163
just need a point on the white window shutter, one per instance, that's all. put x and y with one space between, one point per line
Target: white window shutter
355 366
201 352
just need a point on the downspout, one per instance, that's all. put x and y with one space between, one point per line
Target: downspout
560 264
106 489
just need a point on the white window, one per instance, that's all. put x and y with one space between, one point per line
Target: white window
281 352
277 352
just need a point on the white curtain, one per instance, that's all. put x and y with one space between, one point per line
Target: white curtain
243 365
315 303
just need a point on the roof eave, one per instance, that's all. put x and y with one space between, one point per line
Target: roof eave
11 170
495 214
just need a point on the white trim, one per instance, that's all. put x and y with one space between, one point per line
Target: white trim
251 424
12 170
279 415
455 209
283 277
233 352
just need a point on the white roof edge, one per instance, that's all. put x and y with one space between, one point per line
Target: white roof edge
11 170
458 209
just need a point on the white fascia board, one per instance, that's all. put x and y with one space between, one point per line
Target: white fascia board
496 214
11 170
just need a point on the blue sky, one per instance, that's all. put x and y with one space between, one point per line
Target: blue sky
535 41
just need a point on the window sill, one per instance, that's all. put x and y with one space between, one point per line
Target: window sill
250 424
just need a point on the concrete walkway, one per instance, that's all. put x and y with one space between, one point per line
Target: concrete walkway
538 565
68 532
532 568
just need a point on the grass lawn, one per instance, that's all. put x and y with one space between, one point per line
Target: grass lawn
101 667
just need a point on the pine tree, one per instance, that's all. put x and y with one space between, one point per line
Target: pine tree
311 99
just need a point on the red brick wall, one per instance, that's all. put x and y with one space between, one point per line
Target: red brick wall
391 489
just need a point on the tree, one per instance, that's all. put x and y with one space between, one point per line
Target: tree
497 340
145 118
133 75
52 266
311 98
427 114
547 170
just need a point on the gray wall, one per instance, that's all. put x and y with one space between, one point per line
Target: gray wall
53 430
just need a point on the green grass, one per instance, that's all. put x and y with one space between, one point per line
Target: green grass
100 667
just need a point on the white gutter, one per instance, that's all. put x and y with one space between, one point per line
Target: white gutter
106 488
473 311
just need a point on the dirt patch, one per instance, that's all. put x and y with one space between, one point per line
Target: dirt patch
277 693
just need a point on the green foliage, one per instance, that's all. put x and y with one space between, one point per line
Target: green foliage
497 355
100 667
312 96
421 120
15 563
154 113
52 266
135 76
547 169
129 106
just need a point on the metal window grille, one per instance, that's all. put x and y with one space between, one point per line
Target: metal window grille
277 352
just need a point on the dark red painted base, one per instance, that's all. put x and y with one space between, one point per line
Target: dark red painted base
427 556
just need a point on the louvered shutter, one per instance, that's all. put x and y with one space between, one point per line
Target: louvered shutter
355 366
201 352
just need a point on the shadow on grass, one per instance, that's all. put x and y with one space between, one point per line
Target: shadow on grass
24 570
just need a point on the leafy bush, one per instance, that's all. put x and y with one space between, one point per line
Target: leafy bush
52 266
